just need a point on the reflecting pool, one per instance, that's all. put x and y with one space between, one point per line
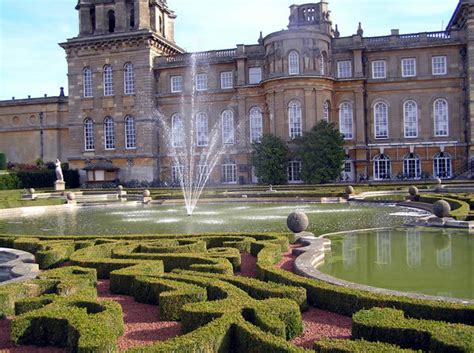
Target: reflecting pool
422 260
207 218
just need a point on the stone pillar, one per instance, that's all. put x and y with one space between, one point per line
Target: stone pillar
310 109
85 24
100 23
359 124
358 67
120 16
142 14
241 72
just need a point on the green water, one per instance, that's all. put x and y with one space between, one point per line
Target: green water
227 217
421 260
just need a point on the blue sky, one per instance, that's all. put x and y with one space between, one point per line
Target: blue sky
31 62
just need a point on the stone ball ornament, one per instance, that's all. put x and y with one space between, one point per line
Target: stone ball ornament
438 181
413 191
441 209
120 188
297 222
349 190
146 193
71 196
32 191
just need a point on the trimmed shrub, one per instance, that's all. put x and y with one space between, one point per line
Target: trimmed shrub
9 182
391 326
459 209
3 161
121 281
328 345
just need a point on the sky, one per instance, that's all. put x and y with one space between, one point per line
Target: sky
32 63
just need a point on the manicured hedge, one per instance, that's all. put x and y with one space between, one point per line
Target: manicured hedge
459 209
9 182
3 161
391 326
328 345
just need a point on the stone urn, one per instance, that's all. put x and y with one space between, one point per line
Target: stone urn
297 222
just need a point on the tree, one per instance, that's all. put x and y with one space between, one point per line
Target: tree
321 151
270 160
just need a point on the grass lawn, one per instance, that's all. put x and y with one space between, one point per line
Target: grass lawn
12 199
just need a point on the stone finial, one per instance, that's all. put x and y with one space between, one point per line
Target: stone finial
297 222
31 191
120 188
413 191
336 32
438 181
441 209
146 193
349 190
71 196
61 92
360 31
260 39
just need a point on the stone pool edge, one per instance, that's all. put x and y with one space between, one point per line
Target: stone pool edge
22 268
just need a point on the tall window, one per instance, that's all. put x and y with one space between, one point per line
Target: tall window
177 131
130 134
129 79
203 171
409 67
412 166
228 127
327 111
227 80
229 173
255 75
87 81
293 63
344 69
201 82
176 84
379 69
256 125
202 127
89 135
177 173
294 171
410 117
346 120
442 165
439 66
322 65
109 134
294 119
381 120
108 81
382 167
441 117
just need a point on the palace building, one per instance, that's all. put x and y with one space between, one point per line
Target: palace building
404 102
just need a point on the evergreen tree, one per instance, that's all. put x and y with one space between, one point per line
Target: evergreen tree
270 159
321 151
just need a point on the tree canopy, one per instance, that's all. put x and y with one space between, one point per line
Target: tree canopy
270 159
321 151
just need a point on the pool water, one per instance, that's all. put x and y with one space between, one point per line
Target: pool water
430 261
226 217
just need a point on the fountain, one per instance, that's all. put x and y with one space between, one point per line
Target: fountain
195 150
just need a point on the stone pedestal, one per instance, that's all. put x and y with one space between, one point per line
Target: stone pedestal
59 185
146 200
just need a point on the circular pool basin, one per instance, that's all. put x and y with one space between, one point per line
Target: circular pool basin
431 261
208 218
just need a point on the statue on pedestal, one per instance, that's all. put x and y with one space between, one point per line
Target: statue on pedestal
59 171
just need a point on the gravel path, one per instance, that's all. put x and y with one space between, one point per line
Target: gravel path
142 325
317 323
248 266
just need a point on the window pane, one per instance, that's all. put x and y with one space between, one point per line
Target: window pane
346 120
410 111
381 120
176 84
109 134
87 77
255 75
202 129
441 118
378 69
108 81
130 136
293 63
294 119
409 67
439 66
129 79
256 125
201 82
177 131
344 69
227 80
89 135
228 127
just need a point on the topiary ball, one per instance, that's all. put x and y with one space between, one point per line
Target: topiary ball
297 222
32 191
349 190
146 193
71 196
413 191
441 209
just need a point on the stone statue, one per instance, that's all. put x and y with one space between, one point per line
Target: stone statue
59 171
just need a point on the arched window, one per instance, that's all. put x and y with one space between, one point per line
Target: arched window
111 18
381 120
256 125
130 134
228 127
346 120
382 167
442 165
293 63
441 117
327 111
322 65
108 81
129 79
410 117
89 135
177 131
109 133
131 16
87 81
202 127
294 171
295 120
411 166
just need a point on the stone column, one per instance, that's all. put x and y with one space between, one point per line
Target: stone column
85 24
100 23
142 14
120 16
241 72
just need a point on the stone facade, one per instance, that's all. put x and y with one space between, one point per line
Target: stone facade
404 102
